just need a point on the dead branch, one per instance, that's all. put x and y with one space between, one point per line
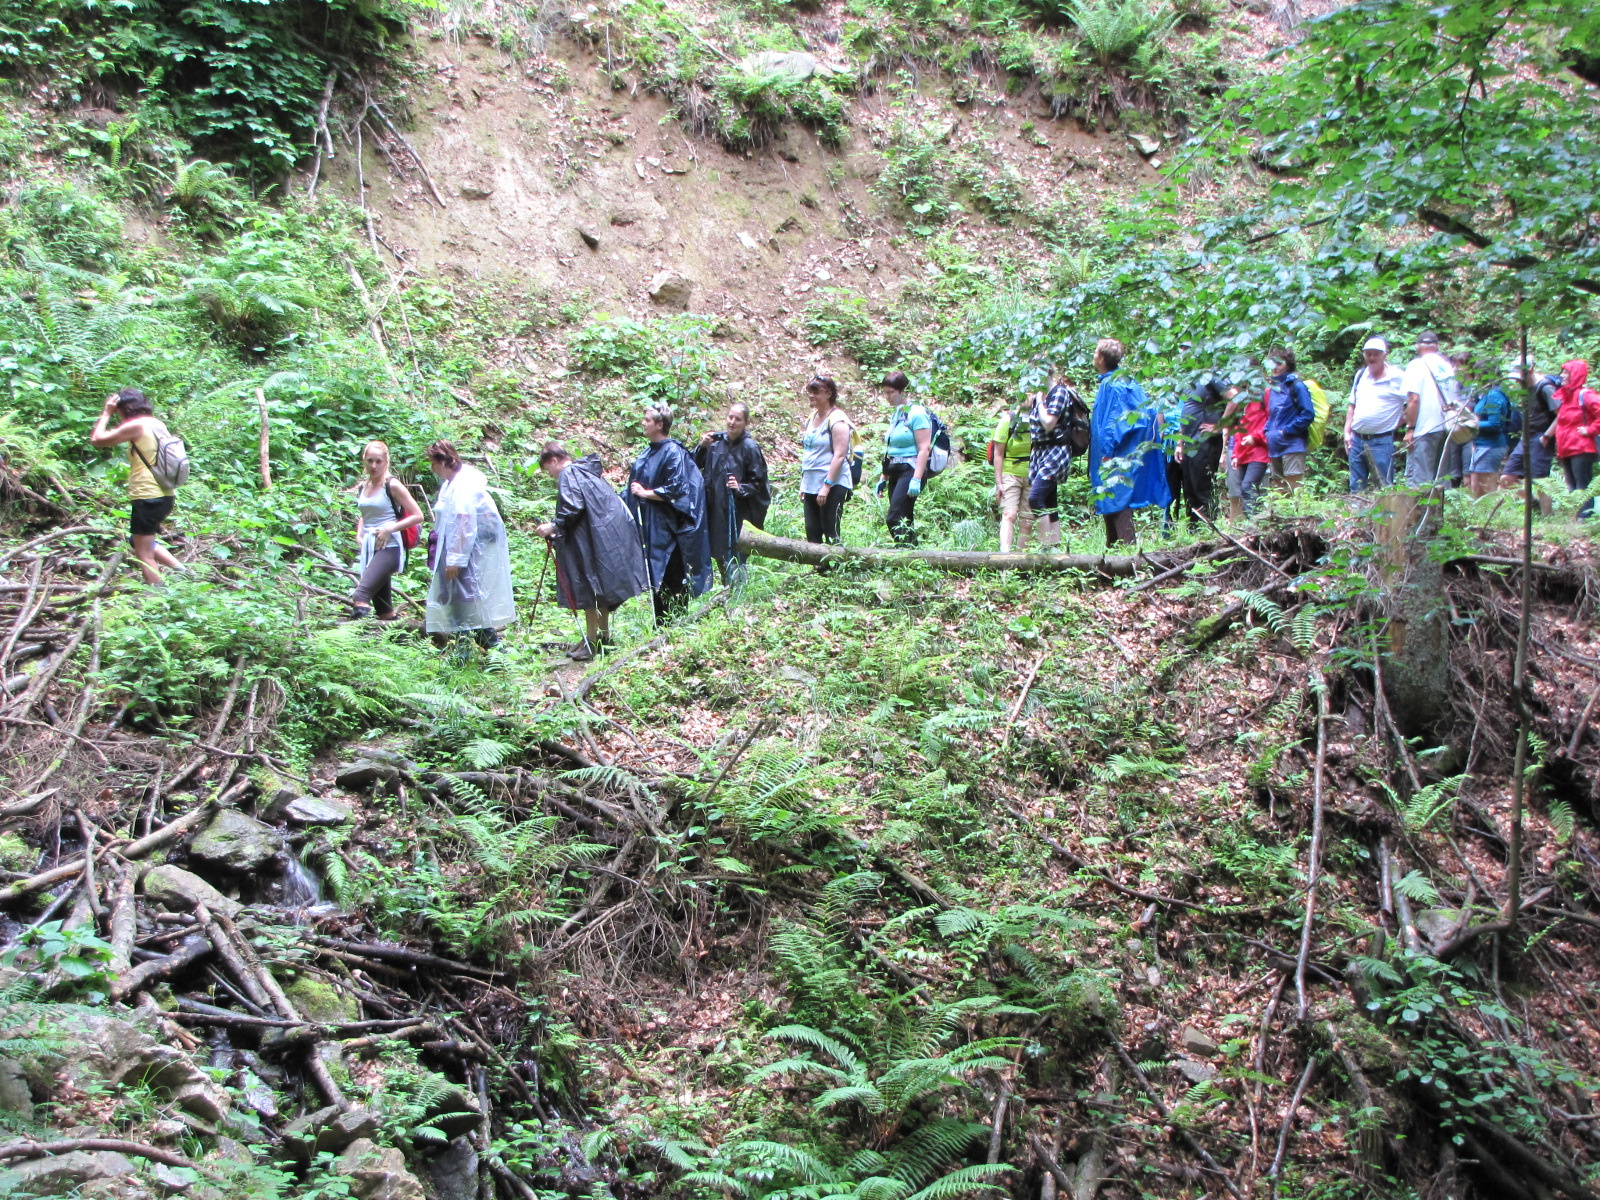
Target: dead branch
1022 697
17 551
131 981
32 1149
1288 1115
1188 1139
1314 854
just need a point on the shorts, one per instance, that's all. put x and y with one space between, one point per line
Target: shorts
1289 465
148 514
1014 497
1486 460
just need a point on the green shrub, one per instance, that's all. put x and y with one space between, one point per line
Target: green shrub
754 104
70 225
661 360
243 80
1113 31
253 293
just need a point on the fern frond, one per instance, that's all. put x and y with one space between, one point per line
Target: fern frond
1414 885
965 1181
805 1035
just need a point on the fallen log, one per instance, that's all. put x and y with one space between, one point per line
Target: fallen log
130 981
963 562
28 1148
399 954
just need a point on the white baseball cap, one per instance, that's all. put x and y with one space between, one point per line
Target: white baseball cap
1376 343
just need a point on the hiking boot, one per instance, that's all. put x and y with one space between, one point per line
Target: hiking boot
581 652
359 612
392 615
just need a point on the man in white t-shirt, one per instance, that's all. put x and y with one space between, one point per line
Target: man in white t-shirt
1430 384
1377 406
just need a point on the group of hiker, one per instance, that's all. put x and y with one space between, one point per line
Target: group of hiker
681 511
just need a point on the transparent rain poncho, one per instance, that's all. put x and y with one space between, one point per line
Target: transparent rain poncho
471 536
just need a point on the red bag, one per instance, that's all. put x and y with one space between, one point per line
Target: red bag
410 536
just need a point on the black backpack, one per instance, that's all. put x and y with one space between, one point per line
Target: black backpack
1076 419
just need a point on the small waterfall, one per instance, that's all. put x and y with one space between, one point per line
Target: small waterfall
300 886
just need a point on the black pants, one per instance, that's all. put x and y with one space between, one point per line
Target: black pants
1044 496
376 584
902 504
672 589
1119 527
822 520
1200 461
1579 470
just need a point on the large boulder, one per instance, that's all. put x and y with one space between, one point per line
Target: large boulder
671 290
97 1050
180 890
77 1173
16 1096
236 843
789 64
378 1173
315 810
327 1131
376 768
454 1171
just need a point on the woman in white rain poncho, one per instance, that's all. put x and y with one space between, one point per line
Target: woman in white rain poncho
471 587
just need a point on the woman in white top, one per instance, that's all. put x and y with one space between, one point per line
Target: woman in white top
385 510
471 587
825 479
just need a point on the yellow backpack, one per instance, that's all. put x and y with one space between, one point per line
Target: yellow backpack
1322 407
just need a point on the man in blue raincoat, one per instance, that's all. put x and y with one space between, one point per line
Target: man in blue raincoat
667 497
1127 469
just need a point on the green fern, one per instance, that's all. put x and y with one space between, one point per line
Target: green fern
1562 819
1417 887
1426 805
1267 609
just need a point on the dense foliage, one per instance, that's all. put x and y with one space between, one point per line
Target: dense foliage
242 79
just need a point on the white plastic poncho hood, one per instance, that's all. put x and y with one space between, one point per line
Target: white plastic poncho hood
472 537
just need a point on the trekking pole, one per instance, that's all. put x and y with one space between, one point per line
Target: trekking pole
538 593
644 548
735 570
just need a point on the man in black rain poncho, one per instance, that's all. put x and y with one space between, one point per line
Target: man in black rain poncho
598 561
668 500
735 474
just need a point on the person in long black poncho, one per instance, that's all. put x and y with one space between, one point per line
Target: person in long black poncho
735 474
598 561
668 499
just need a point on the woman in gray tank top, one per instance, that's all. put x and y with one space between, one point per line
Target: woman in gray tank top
386 508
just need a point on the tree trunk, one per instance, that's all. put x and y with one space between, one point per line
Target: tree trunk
964 562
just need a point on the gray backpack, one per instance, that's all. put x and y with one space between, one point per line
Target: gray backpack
170 467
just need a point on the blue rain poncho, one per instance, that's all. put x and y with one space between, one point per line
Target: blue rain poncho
675 522
471 536
1126 466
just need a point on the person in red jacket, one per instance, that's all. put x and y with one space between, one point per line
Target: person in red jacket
1576 426
1250 452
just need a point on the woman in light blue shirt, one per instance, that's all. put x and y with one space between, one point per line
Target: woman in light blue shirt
906 450
825 480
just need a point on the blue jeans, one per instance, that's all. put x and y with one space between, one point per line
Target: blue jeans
1250 477
1371 455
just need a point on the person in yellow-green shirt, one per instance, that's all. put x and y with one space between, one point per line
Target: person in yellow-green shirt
1009 450
150 504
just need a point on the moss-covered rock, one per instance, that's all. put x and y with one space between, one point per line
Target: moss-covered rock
16 854
317 1000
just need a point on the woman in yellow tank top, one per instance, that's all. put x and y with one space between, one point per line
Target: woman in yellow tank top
151 504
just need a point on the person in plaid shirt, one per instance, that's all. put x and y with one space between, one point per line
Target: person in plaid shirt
1051 458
